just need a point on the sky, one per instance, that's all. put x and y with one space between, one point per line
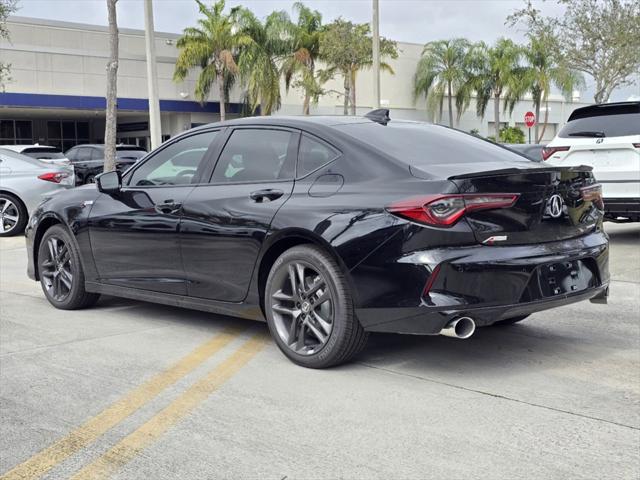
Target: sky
416 21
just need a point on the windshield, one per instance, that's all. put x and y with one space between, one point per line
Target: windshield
620 125
44 153
423 143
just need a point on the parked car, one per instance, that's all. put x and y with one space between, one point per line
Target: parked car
329 228
607 138
24 183
533 151
43 153
88 159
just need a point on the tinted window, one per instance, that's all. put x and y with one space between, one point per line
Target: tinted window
43 153
177 164
609 125
83 154
95 153
312 155
72 154
130 154
254 156
422 143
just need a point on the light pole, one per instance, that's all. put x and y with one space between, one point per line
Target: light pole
152 76
376 54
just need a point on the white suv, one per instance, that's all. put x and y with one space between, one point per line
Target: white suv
607 138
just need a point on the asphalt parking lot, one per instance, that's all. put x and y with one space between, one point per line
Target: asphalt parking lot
135 390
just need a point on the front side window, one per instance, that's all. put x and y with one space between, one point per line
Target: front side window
313 154
255 155
177 164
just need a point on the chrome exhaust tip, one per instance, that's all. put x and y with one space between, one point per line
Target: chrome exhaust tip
462 327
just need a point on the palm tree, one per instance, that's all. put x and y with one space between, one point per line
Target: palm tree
213 46
441 70
543 72
258 59
496 72
304 39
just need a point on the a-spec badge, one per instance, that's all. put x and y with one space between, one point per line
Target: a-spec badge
494 239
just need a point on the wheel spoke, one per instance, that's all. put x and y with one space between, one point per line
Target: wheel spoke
300 342
292 279
11 218
300 272
66 278
318 284
284 310
6 206
323 297
319 335
52 248
326 326
292 331
47 274
281 296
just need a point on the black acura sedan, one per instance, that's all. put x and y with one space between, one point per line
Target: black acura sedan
329 228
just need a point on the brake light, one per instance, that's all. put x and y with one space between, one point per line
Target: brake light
446 210
593 193
55 177
548 151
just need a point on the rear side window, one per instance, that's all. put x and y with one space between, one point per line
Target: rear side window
255 155
427 144
620 125
313 154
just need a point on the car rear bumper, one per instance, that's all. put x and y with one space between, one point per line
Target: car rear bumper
490 284
622 207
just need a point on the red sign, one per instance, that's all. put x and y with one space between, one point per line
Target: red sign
530 119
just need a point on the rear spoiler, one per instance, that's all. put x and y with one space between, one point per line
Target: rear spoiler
516 171
472 170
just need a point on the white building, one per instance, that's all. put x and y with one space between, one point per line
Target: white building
56 94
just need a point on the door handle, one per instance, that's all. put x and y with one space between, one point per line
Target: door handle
168 208
266 195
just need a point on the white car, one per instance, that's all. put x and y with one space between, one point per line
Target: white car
44 153
24 183
607 138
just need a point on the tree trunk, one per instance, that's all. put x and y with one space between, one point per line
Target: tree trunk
307 102
450 103
496 117
112 91
347 93
223 113
353 92
544 124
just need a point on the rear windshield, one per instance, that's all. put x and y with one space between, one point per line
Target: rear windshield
43 153
130 154
620 125
426 144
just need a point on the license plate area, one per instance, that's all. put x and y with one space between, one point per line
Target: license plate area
564 278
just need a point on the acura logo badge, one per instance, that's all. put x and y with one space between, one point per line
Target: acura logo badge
554 206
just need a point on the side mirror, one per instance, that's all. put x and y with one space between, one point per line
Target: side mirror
109 182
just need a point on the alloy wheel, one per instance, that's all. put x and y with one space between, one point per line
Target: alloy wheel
9 215
56 272
303 308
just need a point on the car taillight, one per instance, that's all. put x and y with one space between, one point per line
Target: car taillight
637 145
548 151
55 177
593 193
446 210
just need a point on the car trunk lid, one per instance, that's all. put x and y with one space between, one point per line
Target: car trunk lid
554 203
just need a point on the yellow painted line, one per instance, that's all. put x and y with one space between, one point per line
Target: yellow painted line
87 433
127 448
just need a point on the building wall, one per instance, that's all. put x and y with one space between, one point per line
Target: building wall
60 58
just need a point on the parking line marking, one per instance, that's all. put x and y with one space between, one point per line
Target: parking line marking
131 445
87 433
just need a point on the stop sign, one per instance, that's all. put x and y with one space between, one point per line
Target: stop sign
530 119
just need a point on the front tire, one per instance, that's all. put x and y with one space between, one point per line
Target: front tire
310 310
61 274
13 215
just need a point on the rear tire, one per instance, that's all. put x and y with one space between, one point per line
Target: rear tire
60 269
509 321
13 215
91 178
310 310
